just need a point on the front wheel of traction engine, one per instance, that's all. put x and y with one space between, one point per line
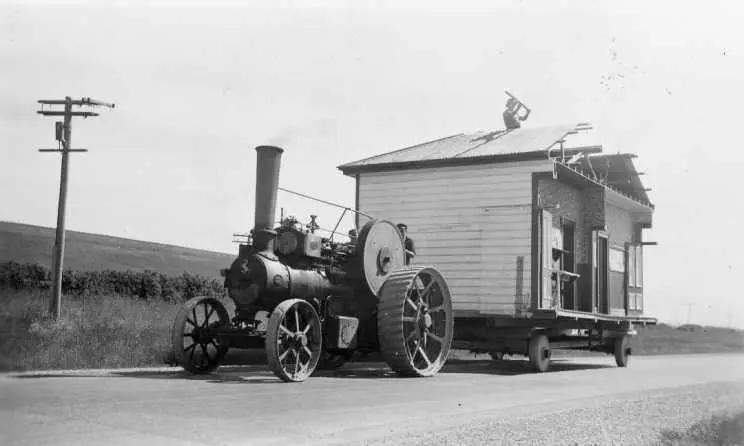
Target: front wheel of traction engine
293 340
195 346
415 322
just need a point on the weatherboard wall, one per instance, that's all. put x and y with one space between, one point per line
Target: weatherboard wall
473 223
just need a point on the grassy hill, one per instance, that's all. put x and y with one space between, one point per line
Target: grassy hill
34 244
665 339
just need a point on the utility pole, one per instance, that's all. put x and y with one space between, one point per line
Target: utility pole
689 310
63 136
689 306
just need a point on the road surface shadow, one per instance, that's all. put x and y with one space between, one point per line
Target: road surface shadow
260 373
482 367
250 374
515 366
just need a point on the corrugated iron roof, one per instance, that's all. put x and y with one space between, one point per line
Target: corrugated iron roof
471 145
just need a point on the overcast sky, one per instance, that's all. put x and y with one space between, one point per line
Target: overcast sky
196 88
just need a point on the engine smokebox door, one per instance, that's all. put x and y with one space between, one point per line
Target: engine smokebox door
341 332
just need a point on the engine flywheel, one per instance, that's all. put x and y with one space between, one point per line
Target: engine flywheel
381 246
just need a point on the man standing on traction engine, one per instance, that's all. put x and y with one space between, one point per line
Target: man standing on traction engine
407 243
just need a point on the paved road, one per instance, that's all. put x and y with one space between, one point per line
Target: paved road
362 401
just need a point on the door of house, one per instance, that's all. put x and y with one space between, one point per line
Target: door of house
635 277
558 260
600 258
546 261
568 263
618 280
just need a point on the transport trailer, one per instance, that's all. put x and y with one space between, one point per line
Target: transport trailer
539 236
546 330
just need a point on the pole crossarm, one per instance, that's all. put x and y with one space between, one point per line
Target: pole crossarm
78 102
63 150
61 113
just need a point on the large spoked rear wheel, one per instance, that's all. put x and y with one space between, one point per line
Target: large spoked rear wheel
415 321
293 340
195 346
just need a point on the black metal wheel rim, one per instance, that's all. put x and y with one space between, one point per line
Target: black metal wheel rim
197 347
294 340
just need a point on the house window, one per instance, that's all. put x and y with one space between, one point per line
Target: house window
566 262
635 266
631 268
617 259
639 266
563 245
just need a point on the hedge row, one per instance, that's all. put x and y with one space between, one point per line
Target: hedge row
146 285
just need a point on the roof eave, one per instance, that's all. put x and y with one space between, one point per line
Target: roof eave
370 158
352 170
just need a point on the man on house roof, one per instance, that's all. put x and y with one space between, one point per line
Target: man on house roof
511 114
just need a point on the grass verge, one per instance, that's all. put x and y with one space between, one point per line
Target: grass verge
725 429
93 331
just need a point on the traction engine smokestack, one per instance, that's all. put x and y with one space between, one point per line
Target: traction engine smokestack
268 162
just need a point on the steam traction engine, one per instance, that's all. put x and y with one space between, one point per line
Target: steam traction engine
311 302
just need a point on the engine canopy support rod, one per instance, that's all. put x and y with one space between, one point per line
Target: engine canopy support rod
326 202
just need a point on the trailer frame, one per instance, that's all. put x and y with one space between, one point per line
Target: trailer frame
562 329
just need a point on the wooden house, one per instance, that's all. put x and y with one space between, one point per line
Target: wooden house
520 223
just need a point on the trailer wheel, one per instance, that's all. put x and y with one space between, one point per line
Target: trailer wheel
622 350
195 346
415 323
539 353
293 340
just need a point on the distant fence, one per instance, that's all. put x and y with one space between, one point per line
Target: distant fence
145 285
